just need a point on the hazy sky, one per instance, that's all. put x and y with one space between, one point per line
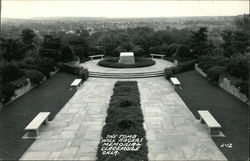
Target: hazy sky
83 8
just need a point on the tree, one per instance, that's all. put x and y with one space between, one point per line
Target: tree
51 42
183 53
67 54
237 41
228 43
81 45
11 49
10 71
199 42
243 22
239 66
241 41
28 36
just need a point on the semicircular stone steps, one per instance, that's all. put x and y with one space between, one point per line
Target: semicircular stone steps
126 75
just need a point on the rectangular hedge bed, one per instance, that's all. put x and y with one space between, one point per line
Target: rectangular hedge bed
123 136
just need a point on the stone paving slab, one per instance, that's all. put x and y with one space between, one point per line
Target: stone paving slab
172 131
75 132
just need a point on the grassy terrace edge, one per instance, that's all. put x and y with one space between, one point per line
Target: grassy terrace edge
124 117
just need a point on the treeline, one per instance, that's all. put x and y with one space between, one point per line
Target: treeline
30 50
231 59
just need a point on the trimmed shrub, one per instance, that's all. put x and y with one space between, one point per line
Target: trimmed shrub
76 70
7 91
72 69
214 73
169 72
124 121
45 66
114 63
84 74
125 103
126 124
10 72
184 67
35 76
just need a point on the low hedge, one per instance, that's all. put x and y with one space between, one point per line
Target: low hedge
76 70
124 117
114 63
71 69
169 72
84 74
19 83
35 76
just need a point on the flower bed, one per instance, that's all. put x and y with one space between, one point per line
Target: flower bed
123 136
114 63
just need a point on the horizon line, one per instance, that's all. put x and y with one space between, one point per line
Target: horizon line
30 18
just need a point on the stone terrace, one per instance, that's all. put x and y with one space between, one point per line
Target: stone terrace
171 130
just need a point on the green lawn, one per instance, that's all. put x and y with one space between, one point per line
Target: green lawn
50 96
200 94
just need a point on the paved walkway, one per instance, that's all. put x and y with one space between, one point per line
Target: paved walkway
51 96
75 131
171 129
158 66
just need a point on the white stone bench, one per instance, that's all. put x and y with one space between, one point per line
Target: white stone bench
96 56
34 125
157 55
213 125
76 83
174 81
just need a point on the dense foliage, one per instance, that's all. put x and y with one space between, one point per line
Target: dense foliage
181 67
114 63
232 58
35 76
76 70
124 117
33 49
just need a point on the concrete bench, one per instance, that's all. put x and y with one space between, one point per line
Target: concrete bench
34 125
76 83
213 125
96 56
174 81
157 55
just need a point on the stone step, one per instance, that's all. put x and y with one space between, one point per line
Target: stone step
155 72
125 75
